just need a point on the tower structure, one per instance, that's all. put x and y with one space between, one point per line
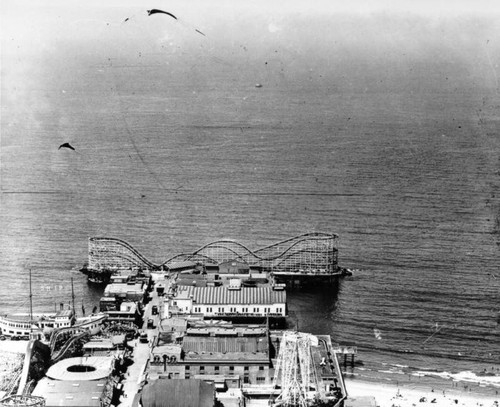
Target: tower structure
295 373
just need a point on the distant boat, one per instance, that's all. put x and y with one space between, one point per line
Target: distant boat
258 85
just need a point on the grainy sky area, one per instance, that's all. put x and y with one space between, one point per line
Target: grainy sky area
43 40
55 49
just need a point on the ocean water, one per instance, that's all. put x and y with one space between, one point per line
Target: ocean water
170 158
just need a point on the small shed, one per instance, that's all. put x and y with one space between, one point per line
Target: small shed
179 266
234 267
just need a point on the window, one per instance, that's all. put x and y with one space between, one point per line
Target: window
231 368
187 367
202 369
216 368
261 367
261 379
246 379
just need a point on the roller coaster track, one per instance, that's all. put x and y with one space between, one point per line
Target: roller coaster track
74 329
14 380
66 347
111 249
310 251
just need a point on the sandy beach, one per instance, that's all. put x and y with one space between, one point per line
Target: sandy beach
9 346
387 395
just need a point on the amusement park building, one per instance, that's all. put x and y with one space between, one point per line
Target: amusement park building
225 301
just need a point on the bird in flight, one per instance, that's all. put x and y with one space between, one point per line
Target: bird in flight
156 11
66 145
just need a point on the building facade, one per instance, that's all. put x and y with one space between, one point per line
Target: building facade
229 301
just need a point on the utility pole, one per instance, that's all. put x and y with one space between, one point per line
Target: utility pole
31 303
73 296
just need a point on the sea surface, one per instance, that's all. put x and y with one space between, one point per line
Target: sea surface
169 160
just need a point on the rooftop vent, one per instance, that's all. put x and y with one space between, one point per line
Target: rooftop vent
234 284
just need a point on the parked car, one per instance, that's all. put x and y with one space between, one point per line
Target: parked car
154 310
143 337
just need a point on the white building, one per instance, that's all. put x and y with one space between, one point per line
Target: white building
232 300
23 325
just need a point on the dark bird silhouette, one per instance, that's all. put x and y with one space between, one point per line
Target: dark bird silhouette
156 11
198 31
66 145
126 19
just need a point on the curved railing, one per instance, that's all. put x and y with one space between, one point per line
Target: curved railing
309 251
24 401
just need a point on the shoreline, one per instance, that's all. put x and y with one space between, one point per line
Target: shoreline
411 395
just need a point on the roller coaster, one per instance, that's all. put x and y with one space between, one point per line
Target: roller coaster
310 252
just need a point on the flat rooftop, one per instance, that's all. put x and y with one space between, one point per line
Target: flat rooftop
226 348
71 393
